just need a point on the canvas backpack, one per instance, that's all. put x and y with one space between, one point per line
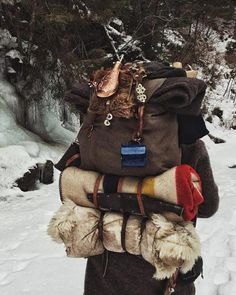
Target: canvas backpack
124 132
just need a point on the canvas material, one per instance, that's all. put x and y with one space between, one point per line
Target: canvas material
100 146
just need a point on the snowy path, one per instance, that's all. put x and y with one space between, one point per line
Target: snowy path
30 263
218 234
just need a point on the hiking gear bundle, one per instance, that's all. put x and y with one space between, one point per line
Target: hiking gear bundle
179 185
164 244
131 131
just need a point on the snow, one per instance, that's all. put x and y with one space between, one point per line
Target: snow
6 39
117 21
32 263
15 54
28 257
29 261
222 95
174 37
218 234
10 131
10 166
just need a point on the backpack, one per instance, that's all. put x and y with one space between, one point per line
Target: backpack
125 132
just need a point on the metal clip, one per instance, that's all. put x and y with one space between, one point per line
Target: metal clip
140 90
109 117
107 123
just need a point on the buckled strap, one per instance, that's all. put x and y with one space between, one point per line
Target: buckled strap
139 197
95 190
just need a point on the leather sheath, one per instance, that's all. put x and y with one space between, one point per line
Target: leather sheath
128 203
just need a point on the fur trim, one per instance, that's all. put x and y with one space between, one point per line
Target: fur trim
63 222
173 245
76 227
165 244
122 103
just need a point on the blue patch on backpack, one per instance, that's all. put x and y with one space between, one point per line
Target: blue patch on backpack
133 155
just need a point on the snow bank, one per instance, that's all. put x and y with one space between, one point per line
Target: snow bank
20 149
14 162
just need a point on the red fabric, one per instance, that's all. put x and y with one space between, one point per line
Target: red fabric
187 195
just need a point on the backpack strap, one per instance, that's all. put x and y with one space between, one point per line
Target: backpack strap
139 131
139 198
120 184
95 190
123 229
171 283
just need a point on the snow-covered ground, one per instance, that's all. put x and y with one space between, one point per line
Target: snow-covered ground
31 263
218 233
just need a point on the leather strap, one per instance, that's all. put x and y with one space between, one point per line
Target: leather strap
120 184
125 216
110 183
71 159
142 227
95 190
124 223
139 131
139 197
128 203
100 226
171 283
140 125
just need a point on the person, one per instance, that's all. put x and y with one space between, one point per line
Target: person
122 273
125 274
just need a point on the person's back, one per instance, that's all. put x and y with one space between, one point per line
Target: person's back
121 273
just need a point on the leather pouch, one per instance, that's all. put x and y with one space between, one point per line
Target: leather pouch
127 203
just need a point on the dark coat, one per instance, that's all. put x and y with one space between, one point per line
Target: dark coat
127 274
